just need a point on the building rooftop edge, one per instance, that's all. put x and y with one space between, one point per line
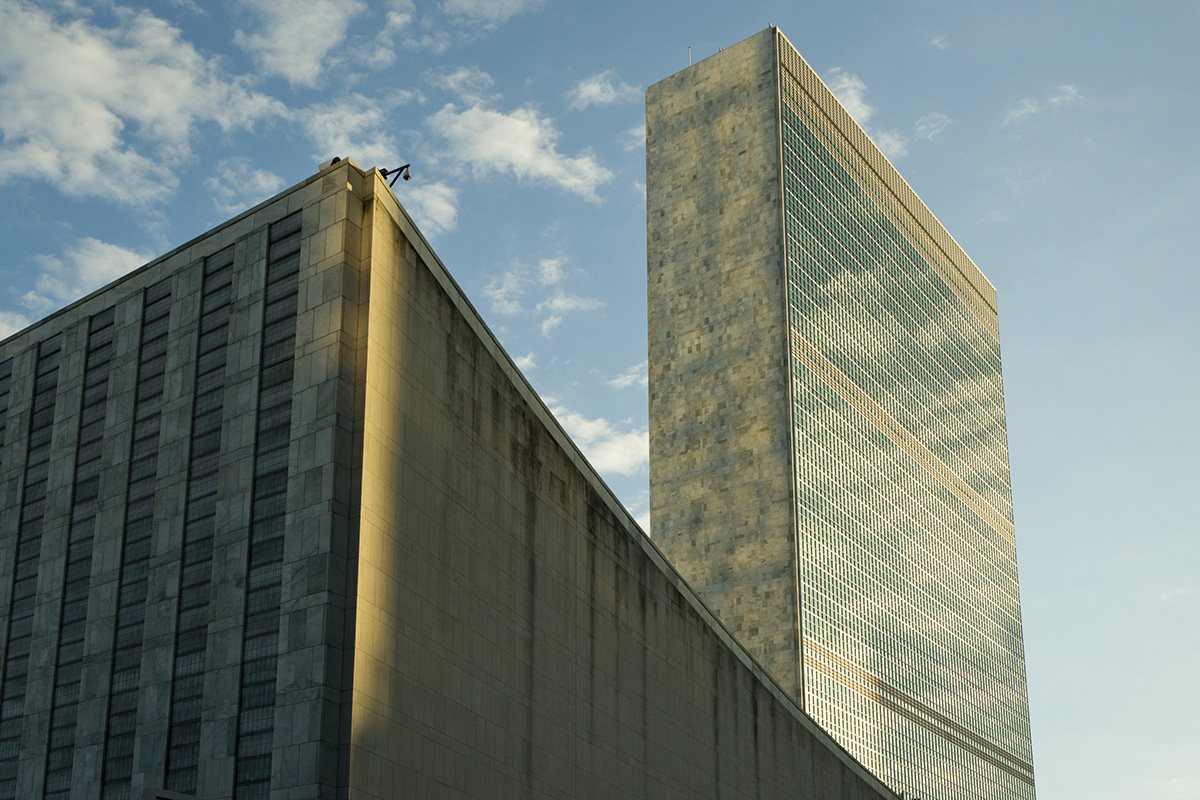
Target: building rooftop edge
896 174
772 29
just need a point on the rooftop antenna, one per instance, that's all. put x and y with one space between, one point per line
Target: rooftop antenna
689 55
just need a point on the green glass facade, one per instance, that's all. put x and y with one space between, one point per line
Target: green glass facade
906 606
910 616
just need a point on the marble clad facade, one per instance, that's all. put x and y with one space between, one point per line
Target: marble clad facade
828 451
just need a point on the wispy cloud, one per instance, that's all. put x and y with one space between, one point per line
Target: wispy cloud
538 291
931 125
609 448
471 84
526 362
488 13
1064 95
109 113
237 185
84 267
637 375
941 42
602 89
1176 594
634 138
520 142
851 92
296 36
397 18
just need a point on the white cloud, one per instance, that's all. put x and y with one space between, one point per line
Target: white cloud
526 362
608 448
564 303
550 271
398 17
1063 95
931 125
84 267
941 41
297 35
543 285
521 142
469 83
635 375
11 322
505 292
434 41
601 89
634 138
890 143
109 112
488 13
1024 110
238 186
355 126
433 206
1175 594
851 92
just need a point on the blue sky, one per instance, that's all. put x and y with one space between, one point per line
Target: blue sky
1055 140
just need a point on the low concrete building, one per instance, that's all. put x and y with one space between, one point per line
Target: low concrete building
279 518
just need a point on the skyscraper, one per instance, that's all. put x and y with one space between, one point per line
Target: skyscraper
829 463
279 518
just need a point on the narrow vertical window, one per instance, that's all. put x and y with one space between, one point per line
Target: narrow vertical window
77 580
135 550
25 573
260 644
195 585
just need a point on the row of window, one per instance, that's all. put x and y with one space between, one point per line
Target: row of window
77 581
135 552
195 585
260 643
28 556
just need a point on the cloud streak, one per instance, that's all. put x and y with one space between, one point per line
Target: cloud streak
1065 94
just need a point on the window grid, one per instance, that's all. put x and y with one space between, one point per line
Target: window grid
27 563
260 642
77 580
901 667
135 551
191 630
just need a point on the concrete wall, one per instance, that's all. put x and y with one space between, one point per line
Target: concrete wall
720 442
516 634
